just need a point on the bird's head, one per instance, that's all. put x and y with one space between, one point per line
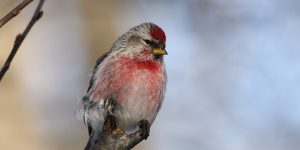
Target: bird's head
145 41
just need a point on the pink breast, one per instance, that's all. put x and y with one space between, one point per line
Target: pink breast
127 74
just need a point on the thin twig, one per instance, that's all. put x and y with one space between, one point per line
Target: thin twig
20 38
14 12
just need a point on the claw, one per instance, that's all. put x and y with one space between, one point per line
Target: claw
144 129
118 130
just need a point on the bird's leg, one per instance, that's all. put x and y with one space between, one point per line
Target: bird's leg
110 123
144 129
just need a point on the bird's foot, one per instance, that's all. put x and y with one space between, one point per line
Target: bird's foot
118 130
144 129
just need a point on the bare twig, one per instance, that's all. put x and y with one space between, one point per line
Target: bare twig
14 12
20 38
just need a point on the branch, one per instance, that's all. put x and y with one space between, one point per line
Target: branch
20 37
114 137
117 140
14 12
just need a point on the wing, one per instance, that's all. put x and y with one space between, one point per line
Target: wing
99 61
86 105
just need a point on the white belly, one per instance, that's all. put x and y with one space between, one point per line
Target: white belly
141 103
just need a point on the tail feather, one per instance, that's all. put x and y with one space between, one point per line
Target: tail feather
88 145
91 143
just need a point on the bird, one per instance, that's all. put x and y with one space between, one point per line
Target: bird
128 82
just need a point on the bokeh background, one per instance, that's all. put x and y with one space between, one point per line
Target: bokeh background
233 70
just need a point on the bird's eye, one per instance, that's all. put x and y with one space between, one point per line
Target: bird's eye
147 42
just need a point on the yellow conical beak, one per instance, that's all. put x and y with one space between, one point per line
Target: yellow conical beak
159 51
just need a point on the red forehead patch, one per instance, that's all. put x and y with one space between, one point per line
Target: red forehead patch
157 33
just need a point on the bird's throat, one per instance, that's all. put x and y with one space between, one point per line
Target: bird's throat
148 64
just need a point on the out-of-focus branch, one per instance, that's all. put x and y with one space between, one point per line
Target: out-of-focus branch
20 37
14 12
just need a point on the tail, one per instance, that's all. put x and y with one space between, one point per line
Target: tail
89 144
94 137
93 113
92 143
90 113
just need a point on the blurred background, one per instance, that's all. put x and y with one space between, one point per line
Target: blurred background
233 72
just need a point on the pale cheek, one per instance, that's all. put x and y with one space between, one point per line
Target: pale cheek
146 53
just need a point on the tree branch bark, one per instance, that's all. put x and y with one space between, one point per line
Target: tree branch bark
115 138
14 12
20 37
117 141
108 139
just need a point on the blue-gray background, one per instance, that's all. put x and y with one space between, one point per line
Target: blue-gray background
233 70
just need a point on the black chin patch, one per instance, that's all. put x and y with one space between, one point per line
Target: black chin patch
157 57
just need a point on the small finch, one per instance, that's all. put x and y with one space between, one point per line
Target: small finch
128 82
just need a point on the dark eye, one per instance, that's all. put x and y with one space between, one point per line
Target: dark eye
147 42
